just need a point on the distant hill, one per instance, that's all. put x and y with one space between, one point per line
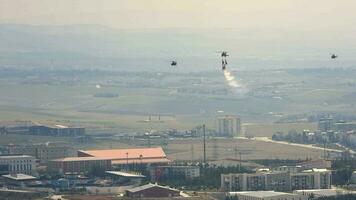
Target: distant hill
94 46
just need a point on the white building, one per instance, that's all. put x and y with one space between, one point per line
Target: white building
228 125
18 164
277 180
266 195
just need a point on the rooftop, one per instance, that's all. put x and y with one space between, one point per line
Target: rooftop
126 174
15 156
148 186
260 194
324 192
78 159
125 154
19 177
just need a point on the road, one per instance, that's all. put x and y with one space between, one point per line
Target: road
266 139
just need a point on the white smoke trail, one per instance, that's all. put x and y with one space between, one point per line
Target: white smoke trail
233 83
229 77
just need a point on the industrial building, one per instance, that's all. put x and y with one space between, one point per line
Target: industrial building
277 181
77 165
152 191
17 164
228 125
56 131
124 157
42 152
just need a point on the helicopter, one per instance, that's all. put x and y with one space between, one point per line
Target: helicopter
333 56
224 63
224 54
173 63
223 60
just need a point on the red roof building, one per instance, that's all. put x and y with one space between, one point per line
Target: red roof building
129 156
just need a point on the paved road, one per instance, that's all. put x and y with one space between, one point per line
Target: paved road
266 139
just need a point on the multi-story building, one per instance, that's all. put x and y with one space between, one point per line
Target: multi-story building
326 124
79 164
157 172
228 125
311 179
42 152
17 164
277 181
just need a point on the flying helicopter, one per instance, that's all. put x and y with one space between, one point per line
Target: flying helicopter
173 63
333 56
224 63
223 60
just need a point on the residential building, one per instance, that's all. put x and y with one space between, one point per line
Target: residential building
311 179
152 191
265 195
17 164
326 124
158 172
277 180
78 165
124 157
228 125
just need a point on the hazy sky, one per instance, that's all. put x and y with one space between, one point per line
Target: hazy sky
290 14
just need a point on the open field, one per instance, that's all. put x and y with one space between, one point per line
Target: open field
218 149
182 100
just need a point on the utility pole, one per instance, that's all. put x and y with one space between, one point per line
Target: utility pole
240 162
204 144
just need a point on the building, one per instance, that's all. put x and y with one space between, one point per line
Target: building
311 179
124 157
318 164
18 179
158 172
152 191
291 169
17 164
345 126
326 124
277 180
21 194
78 165
126 178
320 193
56 131
228 125
42 152
265 195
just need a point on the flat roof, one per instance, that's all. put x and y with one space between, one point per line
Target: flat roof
261 194
15 156
67 159
19 177
325 192
126 174
137 153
